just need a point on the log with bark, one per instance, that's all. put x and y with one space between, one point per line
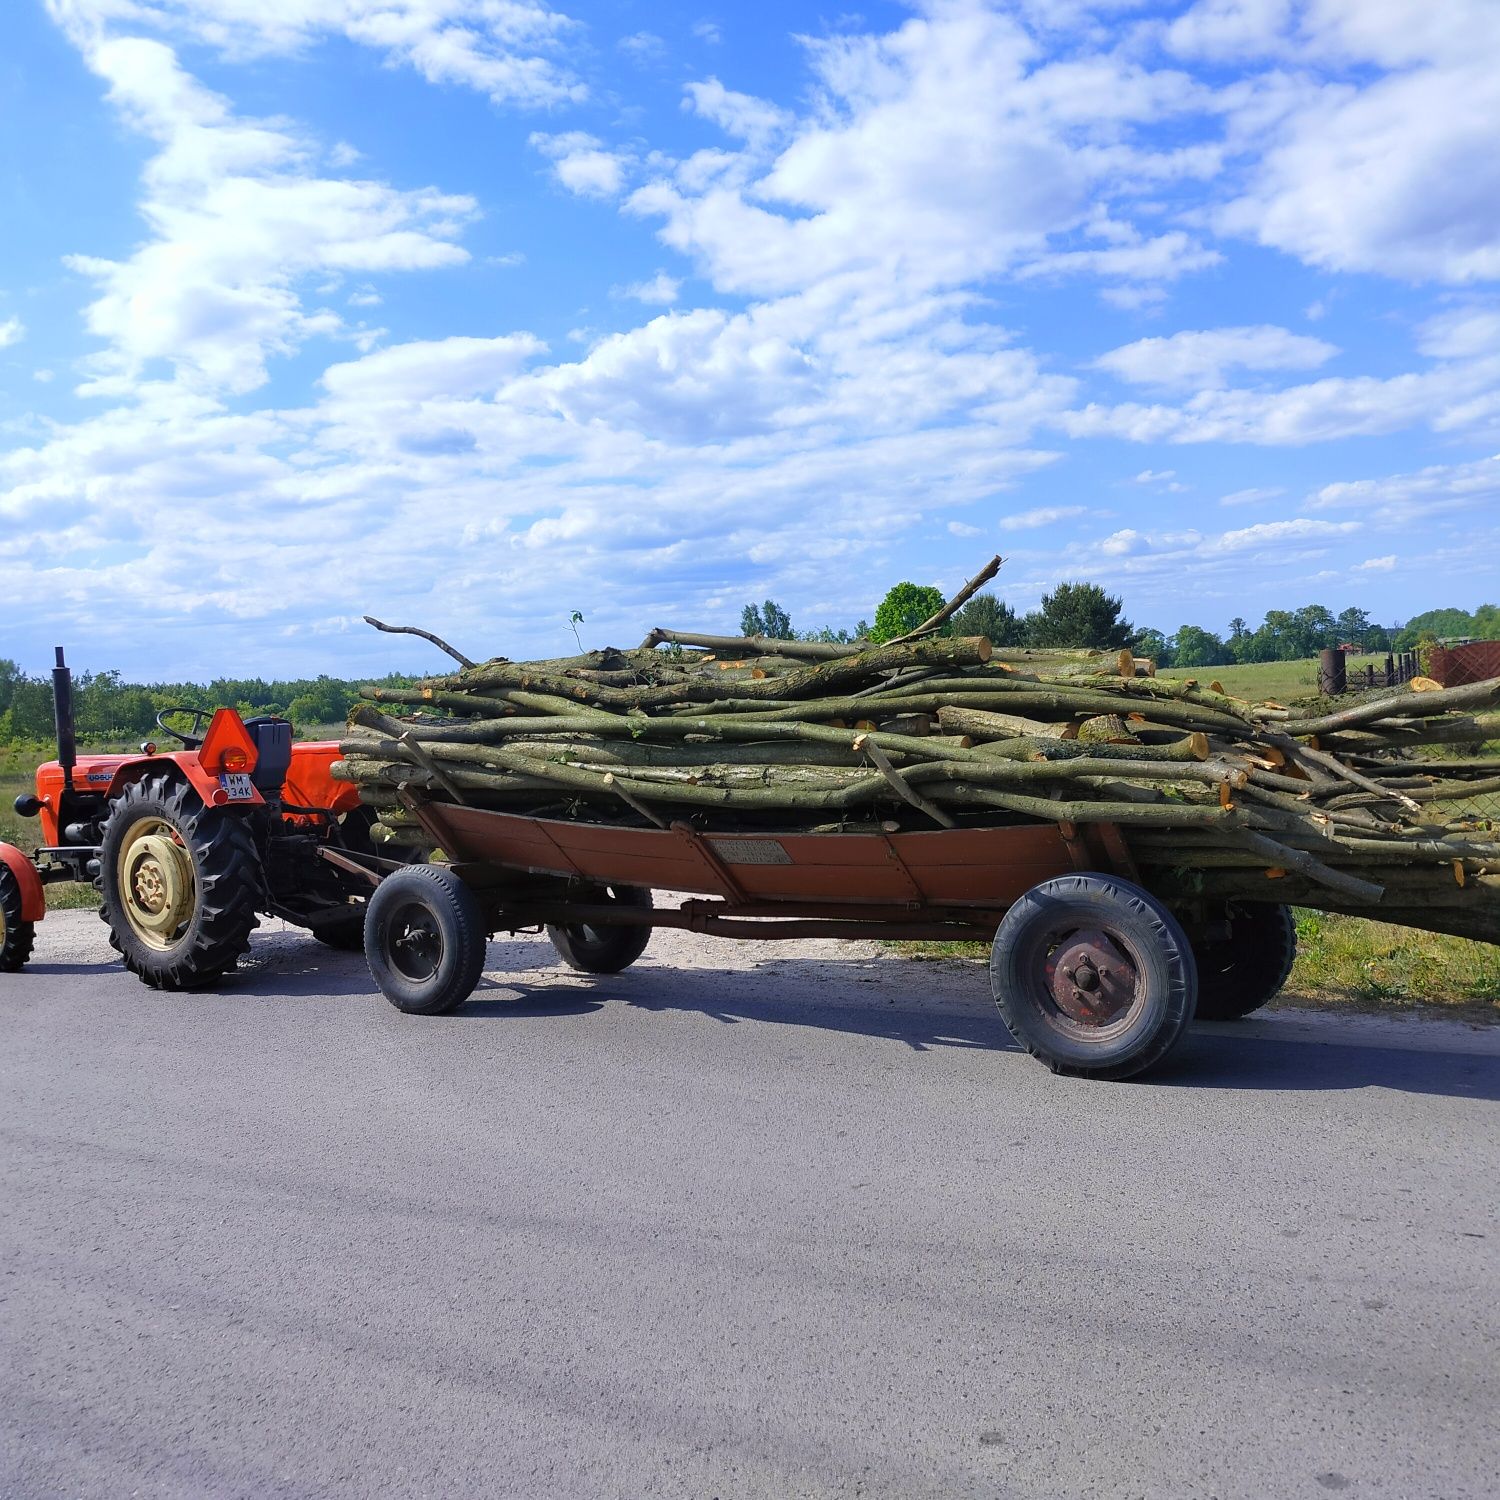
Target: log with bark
1366 807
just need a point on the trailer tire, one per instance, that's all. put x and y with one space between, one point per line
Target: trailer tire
1249 968
425 940
347 934
17 937
1093 976
178 884
604 950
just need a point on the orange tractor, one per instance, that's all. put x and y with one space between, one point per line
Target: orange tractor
187 848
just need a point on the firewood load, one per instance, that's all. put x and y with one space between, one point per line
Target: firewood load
1363 809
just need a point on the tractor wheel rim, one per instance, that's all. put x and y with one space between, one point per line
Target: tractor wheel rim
157 888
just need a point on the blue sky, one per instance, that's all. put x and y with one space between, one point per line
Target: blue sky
471 313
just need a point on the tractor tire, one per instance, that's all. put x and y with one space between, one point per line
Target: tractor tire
1093 976
178 884
425 940
16 937
604 950
1249 968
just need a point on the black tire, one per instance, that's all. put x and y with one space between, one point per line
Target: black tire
218 862
1242 972
347 934
425 940
1136 981
604 950
16 937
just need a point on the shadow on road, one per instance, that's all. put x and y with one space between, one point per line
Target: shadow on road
1214 1057
921 1006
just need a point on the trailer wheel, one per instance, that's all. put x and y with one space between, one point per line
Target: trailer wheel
425 940
1249 967
1094 976
347 934
16 936
178 884
604 949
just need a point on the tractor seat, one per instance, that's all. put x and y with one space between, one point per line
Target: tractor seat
273 742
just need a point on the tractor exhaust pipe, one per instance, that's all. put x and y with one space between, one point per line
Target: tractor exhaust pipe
62 708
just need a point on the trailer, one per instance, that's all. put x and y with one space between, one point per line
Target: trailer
1092 974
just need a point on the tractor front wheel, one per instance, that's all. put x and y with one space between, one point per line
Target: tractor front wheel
16 936
178 884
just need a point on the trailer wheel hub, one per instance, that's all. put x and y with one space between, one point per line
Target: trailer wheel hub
1090 978
156 883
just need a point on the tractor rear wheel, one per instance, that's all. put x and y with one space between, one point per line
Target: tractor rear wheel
16 936
178 883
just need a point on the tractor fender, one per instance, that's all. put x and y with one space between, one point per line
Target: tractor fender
183 766
33 899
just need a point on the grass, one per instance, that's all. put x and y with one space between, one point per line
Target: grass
1350 963
1280 681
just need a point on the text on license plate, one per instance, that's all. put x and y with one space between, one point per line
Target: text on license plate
237 784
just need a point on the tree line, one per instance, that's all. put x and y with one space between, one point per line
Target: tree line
106 707
1084 614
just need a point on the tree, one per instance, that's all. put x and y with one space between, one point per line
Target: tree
1237 629
988 616
768 619
1435 624
1078 614
1193 646
904 608
1316 629
1151 642
1354 627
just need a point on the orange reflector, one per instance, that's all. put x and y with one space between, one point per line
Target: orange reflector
234 759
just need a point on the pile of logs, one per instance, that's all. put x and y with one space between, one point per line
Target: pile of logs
1365 809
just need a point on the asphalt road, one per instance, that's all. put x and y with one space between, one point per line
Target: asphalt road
750 1219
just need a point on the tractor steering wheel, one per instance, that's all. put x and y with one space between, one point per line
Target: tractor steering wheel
194 738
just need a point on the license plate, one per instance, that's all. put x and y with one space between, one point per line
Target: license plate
238 785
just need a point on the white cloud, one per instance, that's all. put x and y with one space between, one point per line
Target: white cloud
43 376
643 47
581 163
1162 479
12 331
708 32
1381 157
1256 495
238 222
451 368
1427 492
502 48
1461 333
962 528
1201 360
1452 397
1041 515
660 291
1386 564
939 154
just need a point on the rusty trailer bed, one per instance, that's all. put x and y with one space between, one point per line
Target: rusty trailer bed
852 883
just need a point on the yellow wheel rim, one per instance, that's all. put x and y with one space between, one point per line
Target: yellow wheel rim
157 888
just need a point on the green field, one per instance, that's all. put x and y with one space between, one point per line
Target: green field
1278 681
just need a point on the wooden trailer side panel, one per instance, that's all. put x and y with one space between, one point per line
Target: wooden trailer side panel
988 867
